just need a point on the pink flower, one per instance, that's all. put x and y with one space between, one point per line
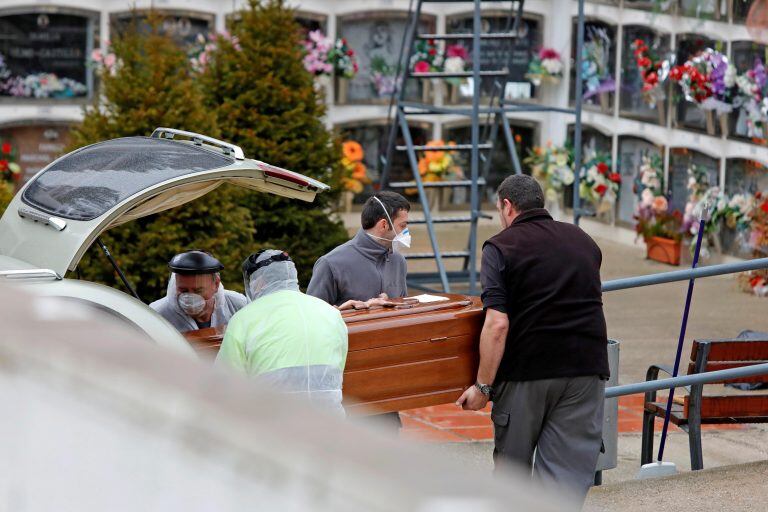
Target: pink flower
96 55
421 67
457 50
549 53
109 60
660 204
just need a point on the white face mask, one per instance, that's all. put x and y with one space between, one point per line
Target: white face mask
191 303
402 238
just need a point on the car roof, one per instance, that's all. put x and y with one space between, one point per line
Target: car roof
61 211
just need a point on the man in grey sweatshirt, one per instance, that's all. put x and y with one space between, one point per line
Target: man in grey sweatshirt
368 265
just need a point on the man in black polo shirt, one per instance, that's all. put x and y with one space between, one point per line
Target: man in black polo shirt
543 347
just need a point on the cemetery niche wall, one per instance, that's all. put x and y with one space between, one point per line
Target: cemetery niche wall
43 55
376 38
631 152
633 101
183 26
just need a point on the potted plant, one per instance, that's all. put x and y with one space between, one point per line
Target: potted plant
551 166
355 175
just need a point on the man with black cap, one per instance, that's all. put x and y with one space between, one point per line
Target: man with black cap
292 341
196 298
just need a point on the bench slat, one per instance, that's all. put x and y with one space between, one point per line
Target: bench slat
733 406
734 350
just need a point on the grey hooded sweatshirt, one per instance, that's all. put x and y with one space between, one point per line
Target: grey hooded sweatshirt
358 270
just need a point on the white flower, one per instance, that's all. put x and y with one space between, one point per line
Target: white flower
592 173
567 176
454 65
553 66
647 197
730 76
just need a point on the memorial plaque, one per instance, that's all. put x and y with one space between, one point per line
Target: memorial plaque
37 145
43 55
679 162
184 29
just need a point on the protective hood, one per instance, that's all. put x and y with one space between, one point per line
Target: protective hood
269 276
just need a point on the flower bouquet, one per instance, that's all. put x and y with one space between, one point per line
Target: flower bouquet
546 66
599 185
551 167
383 77
654 71
317 60
345 67
456 58
595 67
201 53
426 58
708 80
752 102
355 174
703 196
10 171
437 165
756 281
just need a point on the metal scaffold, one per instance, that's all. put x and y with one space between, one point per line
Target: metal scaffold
487 115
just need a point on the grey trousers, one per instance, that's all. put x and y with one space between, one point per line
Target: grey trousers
560 419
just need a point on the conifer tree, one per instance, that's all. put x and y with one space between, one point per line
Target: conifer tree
146 83
266 103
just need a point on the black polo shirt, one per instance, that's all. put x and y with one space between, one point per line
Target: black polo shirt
546 276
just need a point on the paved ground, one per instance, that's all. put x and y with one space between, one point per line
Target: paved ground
646 321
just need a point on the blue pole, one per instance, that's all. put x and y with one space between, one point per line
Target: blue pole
681 339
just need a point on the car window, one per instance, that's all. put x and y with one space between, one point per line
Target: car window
87 183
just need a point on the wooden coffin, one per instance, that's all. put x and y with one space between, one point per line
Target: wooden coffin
414 355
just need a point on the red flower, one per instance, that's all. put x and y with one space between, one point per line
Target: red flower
763 206
644 62
421 67
676 73
600 189
351 53
652 78
3 165
615 177
6 148
602 168
432 51
647 87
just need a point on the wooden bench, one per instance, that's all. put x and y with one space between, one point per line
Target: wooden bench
695 409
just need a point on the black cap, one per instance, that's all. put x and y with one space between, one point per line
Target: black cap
250 265
195 262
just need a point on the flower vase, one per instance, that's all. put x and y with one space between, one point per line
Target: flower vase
347 197
663 250
426 90
342 89
709 117
662 112
724 125
605 102
433 199
322 87
453 93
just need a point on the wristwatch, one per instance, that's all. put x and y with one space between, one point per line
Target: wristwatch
484 389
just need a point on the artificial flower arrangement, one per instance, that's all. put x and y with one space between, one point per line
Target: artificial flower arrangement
10 171
426 57
383 77
756 281
652 215
436 165
355 175
38 85
752 100
201 53
598 184
343 59
325 56
595 71
551 166
546 66
709 81
654 70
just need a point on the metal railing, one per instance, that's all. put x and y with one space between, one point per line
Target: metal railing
684 275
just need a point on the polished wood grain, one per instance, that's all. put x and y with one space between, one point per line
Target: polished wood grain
400 358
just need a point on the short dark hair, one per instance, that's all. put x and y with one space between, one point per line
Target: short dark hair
522 191
373 212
